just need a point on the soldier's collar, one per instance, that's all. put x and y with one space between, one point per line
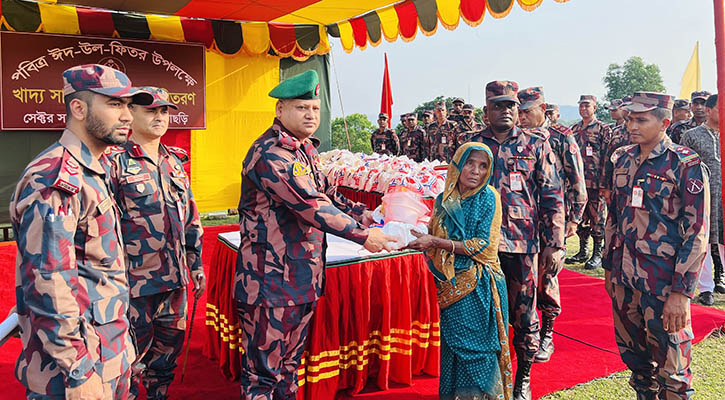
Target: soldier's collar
80 152
661 147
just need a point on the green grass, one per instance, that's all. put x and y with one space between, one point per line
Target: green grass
230 220
708 362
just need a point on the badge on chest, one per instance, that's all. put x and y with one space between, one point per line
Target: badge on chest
589 151
637 196
517 181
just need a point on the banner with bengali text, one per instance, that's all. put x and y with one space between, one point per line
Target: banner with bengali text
31 84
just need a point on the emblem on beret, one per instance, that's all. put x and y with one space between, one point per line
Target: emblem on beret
695 186
317 90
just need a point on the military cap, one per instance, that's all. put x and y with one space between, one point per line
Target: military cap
458 100
161 97
702 94
615 104
382 116
646 101
682 104
531 97
428 113
551 107
626 100
410 116
469 107
587 98
103 80
502 91
304 86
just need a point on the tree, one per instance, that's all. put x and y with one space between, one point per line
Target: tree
633 76
359 127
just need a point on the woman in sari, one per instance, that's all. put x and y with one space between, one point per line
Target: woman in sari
462 251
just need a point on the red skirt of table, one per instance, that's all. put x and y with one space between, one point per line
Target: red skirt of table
378 319
373 200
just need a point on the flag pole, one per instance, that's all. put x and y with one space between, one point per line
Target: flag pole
719 9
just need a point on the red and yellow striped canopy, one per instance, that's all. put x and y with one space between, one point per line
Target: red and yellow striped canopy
283 28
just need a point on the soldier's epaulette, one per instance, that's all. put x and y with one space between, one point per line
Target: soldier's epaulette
537 132
68 178
687 156
113 150
180 153
561 129
618 152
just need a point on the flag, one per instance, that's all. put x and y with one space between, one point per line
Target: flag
691 78
386 104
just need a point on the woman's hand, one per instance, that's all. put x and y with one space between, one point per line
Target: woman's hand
422 243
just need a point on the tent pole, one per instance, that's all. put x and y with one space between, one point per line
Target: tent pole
342 108
719 10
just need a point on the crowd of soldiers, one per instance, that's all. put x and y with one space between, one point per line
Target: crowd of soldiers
555 181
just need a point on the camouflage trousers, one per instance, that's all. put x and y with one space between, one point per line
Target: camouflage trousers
595 215
548 299
116 389
273 341
158 322
521 271
659 361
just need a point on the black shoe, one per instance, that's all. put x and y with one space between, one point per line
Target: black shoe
596 260
546 345
706 299
720 288
522 382
583 253
717 270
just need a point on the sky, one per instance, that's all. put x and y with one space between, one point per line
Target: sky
564 47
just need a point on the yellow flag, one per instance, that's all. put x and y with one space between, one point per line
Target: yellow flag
691 77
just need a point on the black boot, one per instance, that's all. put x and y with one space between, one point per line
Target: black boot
706 299
522 382
546 344
582 255
717 268
596 260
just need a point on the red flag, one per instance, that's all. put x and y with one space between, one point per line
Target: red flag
386 104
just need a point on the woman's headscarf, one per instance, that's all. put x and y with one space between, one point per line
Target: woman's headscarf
449 219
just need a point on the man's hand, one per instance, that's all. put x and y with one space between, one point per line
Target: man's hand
422 243
552 259
367 218
199 280
92 389
676 313
608 283
571 228
378 241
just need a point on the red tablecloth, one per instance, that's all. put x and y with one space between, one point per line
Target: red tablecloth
379 319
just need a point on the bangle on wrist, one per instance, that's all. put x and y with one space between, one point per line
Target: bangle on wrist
453 246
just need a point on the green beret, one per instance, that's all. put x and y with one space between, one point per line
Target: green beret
305 86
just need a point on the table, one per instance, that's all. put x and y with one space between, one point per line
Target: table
379 319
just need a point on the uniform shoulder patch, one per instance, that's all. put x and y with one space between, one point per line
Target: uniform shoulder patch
537 132
180 153
620 152
687 156
299 169
113 149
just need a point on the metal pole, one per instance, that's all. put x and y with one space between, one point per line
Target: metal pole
719 10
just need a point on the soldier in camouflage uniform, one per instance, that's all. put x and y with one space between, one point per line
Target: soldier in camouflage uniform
456 113
72 291
699 115
384 140
681 111
592 137
616 113
657 238
705 141
619 137
286 207
533 213
467 127
427 119
162 234
552 113
569 165
413 141
441 136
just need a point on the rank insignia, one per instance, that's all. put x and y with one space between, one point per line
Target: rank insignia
133 167
299 169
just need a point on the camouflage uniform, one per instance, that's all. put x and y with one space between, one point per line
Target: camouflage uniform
71 285
441 141
163 237
456 116
652 251
541 199
464 132
620 137
285 209
592 142
385 142
676 130
413 144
